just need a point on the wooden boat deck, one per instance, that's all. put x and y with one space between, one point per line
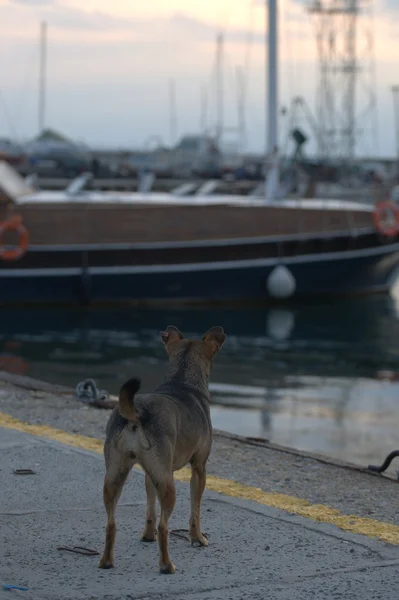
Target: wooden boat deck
73 223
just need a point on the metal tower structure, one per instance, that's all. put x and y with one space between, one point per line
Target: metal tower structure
346 100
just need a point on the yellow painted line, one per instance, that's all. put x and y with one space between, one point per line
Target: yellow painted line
386 532
71 439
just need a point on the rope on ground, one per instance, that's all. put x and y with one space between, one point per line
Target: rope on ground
87 392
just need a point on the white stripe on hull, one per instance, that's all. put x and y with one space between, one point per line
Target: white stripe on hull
204 266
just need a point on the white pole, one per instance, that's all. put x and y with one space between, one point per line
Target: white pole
172 112
272 96
219 88
42 76
272 77
395 91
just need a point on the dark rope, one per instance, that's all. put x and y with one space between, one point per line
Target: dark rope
385 464
87 391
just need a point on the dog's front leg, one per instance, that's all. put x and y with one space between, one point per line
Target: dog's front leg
150 529
197 486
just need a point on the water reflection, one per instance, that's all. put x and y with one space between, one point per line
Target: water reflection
304 377
280 324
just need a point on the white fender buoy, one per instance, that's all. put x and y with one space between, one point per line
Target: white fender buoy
280 324
281 282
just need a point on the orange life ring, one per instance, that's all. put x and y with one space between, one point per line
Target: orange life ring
14 224
386 218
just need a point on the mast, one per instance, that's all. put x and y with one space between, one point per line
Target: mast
172 112
395 92
204 110
272 166
272 79
42 76
241 108
219 88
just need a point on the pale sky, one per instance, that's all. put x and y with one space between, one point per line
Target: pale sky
110 63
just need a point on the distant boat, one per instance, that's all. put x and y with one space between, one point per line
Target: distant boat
99 247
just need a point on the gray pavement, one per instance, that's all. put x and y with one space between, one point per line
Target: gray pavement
254 551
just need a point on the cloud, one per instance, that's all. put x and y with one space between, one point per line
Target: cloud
34 2
192 24
240 35
207 31
72 18
390 5
61 16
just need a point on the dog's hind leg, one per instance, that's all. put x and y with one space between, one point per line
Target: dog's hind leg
197 486
150 529
113 484
167 497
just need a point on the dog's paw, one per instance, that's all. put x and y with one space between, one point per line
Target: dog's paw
167 569
199 540
105 564
146 537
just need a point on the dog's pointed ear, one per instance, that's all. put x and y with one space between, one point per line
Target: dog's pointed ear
172 334
215 338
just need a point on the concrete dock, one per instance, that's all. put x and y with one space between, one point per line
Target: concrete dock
281 524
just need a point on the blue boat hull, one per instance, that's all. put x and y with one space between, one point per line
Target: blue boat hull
341 273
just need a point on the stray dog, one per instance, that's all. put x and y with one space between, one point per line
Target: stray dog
163 431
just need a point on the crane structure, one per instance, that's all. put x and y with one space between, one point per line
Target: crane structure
346 99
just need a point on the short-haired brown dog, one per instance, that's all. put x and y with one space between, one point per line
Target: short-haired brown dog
163 431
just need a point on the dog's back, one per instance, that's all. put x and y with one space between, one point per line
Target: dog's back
179 424
174 420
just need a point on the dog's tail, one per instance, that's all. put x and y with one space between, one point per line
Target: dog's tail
126 400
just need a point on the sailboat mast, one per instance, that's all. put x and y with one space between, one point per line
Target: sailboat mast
272 168
172 112
42 76
219 88
272 76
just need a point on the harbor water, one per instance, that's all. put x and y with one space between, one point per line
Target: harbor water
318 377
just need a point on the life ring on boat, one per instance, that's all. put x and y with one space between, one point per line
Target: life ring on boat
14 224
386 218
